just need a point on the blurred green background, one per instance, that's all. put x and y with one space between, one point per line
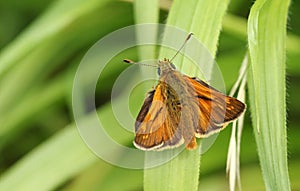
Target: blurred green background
42 43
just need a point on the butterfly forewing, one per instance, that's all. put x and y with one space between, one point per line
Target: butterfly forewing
157 123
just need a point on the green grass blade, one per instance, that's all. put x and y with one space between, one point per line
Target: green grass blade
36 102
50 164
237 26
50 93
63 12
181 173
41 56
267 45
103 176
146 12
204 19
60 158
54 50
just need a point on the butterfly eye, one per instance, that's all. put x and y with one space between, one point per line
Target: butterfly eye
173 66
158 71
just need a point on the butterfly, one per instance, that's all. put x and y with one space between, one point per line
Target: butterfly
181 109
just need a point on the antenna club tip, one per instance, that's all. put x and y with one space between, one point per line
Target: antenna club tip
189 36
128 61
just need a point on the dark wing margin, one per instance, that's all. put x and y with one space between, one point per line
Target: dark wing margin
145 108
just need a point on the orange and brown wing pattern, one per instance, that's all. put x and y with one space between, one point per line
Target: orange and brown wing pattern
216 109
156 126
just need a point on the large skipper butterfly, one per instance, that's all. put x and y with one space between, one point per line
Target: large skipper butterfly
181 108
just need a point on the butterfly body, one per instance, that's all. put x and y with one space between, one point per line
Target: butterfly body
180 109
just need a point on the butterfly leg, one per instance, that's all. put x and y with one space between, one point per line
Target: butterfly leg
192 144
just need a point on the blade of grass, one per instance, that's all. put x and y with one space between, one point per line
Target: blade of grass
15 120
53 51
127 180
204 19
63 12
267 46
103 176
146 12
233 156
237 26
50 93
55 48
41 169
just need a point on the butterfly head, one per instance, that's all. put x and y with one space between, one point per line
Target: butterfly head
165 66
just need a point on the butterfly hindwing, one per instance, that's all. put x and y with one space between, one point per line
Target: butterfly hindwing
156 126
216 109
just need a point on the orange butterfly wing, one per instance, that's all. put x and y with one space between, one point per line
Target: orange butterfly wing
216 109
156 126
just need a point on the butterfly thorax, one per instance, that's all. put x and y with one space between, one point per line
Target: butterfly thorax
165 66
172 77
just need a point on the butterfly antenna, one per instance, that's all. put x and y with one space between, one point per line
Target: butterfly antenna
186 40
132 62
